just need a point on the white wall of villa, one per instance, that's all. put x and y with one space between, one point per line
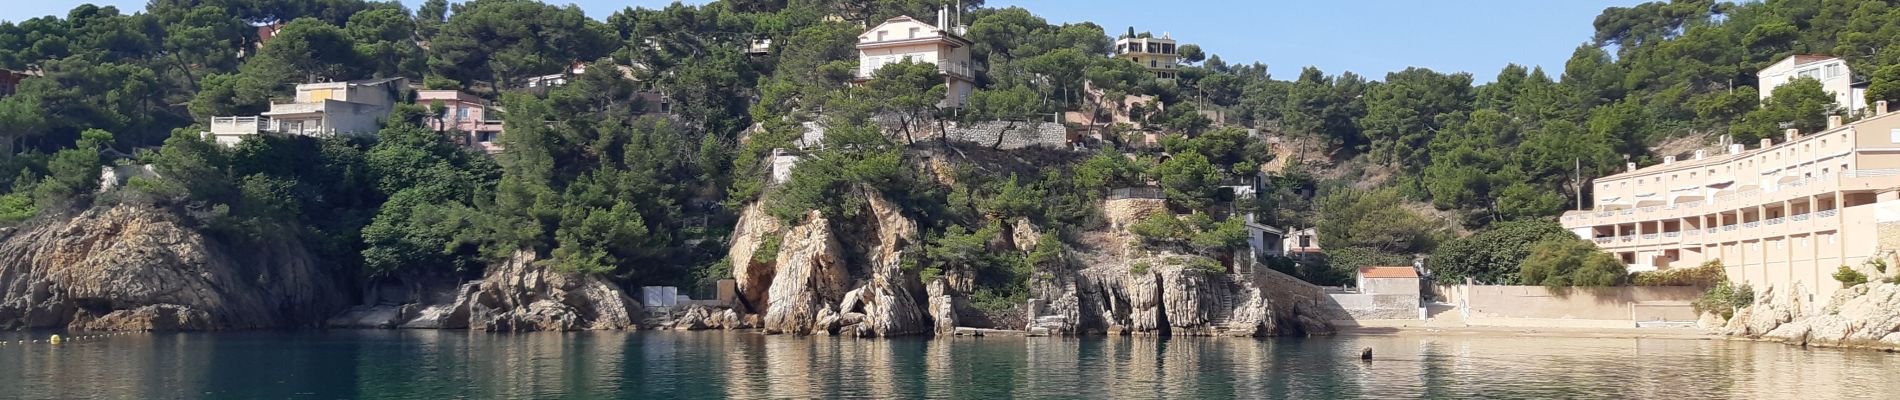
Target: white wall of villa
903 38
1789 212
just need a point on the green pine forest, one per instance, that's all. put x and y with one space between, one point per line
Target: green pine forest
597 180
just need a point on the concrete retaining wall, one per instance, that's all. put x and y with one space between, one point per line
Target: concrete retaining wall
1629 303
1376 306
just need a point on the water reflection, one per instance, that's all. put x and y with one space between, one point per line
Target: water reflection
452 364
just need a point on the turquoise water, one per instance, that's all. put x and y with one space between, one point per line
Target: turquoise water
426 364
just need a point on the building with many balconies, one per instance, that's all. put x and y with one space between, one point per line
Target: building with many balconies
319 109
904 39
1158 54
1787 213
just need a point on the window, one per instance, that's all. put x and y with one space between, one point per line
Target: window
913 33
880 35
1893 135
1833 71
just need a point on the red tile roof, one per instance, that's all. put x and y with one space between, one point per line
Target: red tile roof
1388 272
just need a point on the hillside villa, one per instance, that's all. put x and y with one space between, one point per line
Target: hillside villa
903 38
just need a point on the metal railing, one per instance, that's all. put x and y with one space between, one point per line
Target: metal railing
1801 217
1603 240
1776 220
1672 234
1751 225
1826 213
1870 173
1649 236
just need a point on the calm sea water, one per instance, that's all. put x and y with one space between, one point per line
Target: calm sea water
425 364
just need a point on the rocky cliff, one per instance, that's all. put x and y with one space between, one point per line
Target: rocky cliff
1865 315
518 295
844 277
134 268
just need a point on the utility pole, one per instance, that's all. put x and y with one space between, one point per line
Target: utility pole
1578 178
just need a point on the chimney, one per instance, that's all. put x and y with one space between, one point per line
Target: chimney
1880 107
1765 142
1699 154
1631 166
1734 149
1669 160
1833 121
943 18
1791 133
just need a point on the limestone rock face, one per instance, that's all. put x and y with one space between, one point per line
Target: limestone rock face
1866 315
754 232
520 295
1170 297
885 299
810 275
137 268
1124 212
1772 308
1024 235
943 307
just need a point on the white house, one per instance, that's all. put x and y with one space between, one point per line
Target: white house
319 109
903 39
1833 73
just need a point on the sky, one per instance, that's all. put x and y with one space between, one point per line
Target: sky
1368 37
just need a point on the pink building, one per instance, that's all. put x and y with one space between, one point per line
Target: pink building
465 118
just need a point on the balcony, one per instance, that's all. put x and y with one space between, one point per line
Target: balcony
1775 221
1827 213
960 69
1802 217
1673 234
1649 236
1751 225
1603 240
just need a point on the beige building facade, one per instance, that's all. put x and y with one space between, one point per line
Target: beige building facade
1832 72
1788 213
1157 54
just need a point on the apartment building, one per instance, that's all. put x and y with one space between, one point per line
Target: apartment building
903 38
319 109
1158 54
1832 72
1787 213
466 119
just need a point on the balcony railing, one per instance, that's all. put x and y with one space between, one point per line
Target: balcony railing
1871 173
1776 220
1826 213
1627 238
1649 236
1751 225
1712 230
1604 214
1649 209
1627 212
1729 227
1672 234
1693 232
1802 217
1603 240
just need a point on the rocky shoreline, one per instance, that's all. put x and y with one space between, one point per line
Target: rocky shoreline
125 268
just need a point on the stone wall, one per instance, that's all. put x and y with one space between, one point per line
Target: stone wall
1017 135
1623 303
1360 306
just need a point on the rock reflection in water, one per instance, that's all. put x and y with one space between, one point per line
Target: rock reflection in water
456 364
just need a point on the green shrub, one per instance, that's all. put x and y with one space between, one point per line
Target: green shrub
1139 268
768 248
1879 265
1207 266
989 300
1849 277
1571 262
1707 274
1724 298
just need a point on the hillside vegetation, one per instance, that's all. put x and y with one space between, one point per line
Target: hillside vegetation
598 181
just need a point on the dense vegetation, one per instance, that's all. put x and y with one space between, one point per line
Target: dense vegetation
599 181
